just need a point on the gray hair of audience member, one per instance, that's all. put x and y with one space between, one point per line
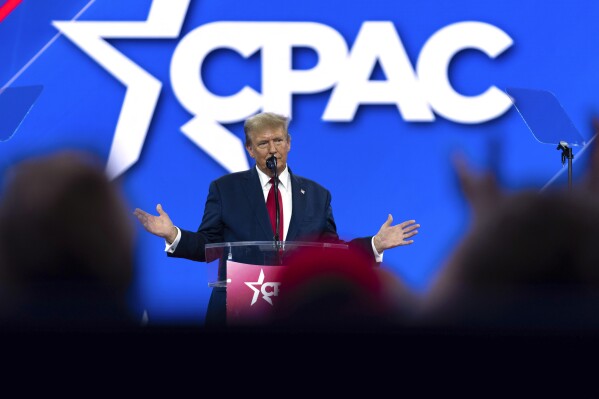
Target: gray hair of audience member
61 220
265 120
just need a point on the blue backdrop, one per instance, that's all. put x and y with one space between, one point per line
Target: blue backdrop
376 161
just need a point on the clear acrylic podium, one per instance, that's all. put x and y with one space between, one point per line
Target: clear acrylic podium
15 104
251 271
548 121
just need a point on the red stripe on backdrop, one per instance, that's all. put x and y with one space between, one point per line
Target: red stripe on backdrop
8 7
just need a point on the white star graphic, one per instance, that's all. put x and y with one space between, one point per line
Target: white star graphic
257 290
164 21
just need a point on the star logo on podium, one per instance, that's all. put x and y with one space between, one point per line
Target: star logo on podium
267 290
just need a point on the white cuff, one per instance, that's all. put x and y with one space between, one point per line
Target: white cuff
378 257
170 248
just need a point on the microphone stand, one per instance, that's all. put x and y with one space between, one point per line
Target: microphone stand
567 154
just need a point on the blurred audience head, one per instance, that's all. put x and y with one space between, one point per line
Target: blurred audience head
533 262
530 259
66 240
338 290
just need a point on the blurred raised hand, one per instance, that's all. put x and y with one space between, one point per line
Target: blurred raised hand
591 180
480 190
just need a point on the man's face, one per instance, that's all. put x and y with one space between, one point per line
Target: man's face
268 142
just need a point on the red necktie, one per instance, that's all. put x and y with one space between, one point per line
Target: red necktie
271 208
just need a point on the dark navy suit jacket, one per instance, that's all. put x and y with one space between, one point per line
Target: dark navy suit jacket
235 210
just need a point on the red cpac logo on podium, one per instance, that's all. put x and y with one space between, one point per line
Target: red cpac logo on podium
267 290
251 292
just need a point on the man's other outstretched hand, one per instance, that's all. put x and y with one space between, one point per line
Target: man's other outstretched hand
394 236
160 225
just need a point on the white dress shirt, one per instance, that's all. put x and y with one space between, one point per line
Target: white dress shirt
286 197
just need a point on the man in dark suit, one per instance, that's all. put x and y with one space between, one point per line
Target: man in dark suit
237 207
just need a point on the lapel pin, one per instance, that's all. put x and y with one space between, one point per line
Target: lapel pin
302 191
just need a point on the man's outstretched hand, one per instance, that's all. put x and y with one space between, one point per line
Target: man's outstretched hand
394 236
160 225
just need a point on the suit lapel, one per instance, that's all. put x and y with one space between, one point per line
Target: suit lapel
299 207
255 196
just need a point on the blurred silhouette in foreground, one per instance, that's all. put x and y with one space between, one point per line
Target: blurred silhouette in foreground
66 245
338 290
530 260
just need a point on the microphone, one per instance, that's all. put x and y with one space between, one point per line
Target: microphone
271 163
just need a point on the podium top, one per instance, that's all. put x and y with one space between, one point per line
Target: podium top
272 245
263 252
545 117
